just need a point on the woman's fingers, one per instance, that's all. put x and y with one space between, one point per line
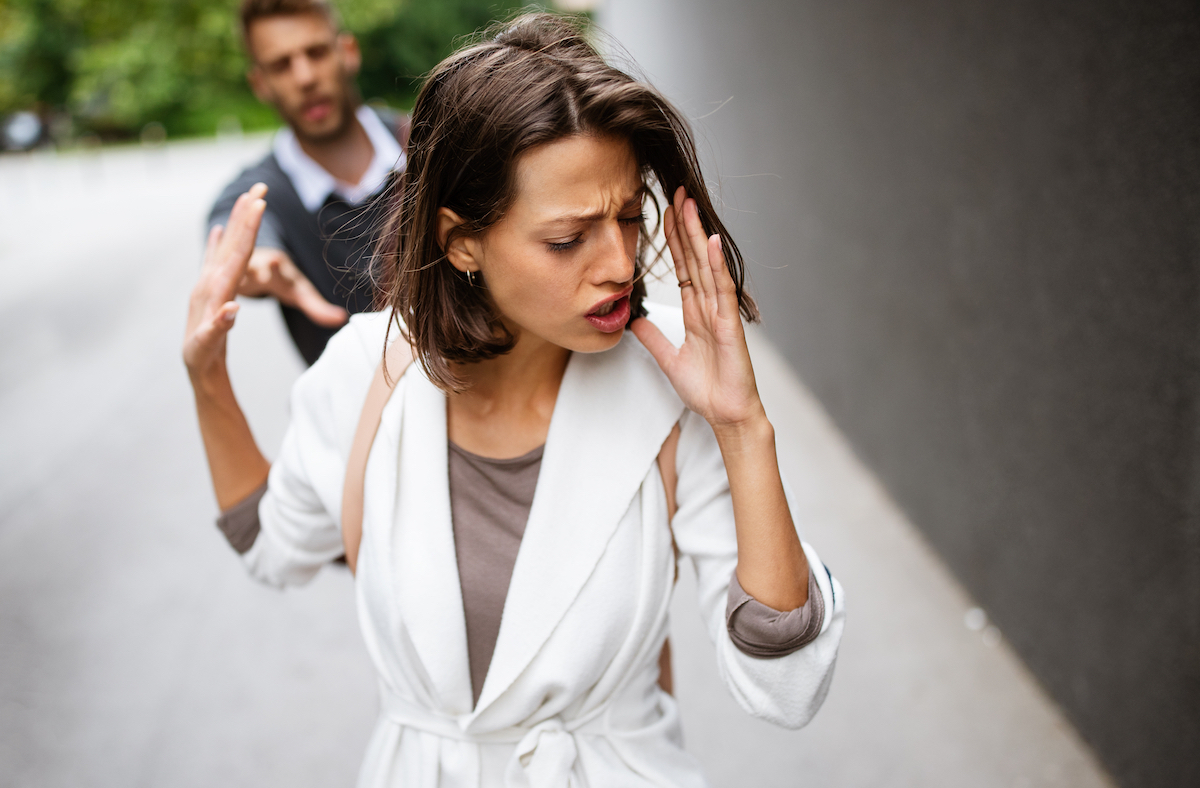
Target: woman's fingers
685 249
726 292
236 243
655 341
697 243
203 344
211 245
243 223
671 230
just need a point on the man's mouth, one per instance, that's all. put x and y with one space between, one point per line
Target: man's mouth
317 110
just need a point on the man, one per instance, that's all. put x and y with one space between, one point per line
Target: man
325 173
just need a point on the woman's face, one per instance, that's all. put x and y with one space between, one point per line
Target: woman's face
559 266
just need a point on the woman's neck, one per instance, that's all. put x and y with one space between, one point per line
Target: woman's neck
506 410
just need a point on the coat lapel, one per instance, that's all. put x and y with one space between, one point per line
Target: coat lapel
427 585
614 411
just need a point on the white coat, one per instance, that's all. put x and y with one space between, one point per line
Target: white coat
570 697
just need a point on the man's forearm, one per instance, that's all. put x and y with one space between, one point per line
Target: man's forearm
237 466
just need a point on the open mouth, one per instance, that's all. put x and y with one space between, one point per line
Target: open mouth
612 316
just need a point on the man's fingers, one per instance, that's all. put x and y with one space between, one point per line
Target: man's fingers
308 300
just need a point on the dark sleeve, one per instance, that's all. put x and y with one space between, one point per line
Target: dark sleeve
761 631
240 523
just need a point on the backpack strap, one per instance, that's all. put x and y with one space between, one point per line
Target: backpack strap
666 469
396 360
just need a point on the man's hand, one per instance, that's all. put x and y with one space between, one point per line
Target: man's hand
272 273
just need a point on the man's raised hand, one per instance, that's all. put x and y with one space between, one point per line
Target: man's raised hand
272 273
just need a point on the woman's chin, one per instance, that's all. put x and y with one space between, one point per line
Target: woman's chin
596 342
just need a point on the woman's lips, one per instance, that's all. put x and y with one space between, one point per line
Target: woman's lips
615 320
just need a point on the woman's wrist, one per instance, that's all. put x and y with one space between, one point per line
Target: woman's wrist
744 433
211 380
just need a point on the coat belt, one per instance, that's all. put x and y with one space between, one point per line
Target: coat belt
545 753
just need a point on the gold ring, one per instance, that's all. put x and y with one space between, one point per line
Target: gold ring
685 283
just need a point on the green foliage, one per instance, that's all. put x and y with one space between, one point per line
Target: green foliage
397 55
113 66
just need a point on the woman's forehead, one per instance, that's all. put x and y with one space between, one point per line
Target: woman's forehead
576 178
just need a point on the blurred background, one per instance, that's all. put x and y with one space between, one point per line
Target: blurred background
974 230
90 71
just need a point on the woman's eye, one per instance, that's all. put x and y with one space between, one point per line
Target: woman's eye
564 245
632 220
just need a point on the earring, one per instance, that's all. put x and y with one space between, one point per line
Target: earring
471 278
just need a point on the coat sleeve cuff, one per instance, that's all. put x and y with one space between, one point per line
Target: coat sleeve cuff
760 631
240 522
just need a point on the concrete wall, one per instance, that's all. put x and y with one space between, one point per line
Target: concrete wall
974 229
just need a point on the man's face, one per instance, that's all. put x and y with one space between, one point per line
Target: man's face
304 68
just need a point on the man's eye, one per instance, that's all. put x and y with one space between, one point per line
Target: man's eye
316 53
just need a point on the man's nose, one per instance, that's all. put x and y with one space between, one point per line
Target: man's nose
303 71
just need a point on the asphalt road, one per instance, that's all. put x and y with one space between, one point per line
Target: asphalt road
134 651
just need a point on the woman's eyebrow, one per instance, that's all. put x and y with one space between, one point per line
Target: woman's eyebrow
635 200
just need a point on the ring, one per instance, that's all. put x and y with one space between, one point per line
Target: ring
685 283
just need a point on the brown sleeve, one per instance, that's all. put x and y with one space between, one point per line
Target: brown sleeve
240 523
764 632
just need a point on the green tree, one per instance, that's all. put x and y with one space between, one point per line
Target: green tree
116 65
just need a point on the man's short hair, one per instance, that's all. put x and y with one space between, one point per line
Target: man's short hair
254 10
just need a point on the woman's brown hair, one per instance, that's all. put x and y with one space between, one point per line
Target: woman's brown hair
533 80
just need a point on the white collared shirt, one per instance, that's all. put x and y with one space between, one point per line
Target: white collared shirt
313 182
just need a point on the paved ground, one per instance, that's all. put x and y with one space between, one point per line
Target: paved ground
135 652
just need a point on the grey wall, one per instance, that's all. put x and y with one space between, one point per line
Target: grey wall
973 227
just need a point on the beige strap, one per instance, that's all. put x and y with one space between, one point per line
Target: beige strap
666 469
397 358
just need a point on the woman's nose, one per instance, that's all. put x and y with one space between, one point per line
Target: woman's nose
615 262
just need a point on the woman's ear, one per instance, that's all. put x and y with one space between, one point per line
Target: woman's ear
460 250
351 55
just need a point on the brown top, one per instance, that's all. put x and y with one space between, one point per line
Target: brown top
489 506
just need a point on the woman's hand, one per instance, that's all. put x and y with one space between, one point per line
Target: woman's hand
211 309
238 468
712 374
711 371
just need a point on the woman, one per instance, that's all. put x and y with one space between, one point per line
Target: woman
533 419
